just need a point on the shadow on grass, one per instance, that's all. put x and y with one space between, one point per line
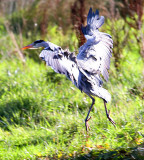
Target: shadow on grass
118 154
1 92
18 111
35 141
136 153
23 110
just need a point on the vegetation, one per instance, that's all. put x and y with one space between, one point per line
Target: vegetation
42 114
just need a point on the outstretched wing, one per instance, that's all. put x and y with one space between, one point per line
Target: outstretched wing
94 56
61 61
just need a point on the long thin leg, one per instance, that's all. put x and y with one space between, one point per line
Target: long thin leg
108 116
87 119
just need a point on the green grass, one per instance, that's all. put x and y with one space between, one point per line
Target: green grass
42 115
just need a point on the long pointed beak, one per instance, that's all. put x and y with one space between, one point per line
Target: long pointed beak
26 47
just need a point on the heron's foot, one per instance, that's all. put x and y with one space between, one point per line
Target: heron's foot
86 124
110 119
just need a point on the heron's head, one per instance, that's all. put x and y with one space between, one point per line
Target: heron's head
36 44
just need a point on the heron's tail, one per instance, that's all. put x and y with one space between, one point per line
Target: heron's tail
94 21
102 93
105 95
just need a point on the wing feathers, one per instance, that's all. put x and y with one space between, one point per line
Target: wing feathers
63 62
89 16
94 56
99 22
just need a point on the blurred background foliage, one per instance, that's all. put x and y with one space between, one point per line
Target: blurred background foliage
33 98
41 19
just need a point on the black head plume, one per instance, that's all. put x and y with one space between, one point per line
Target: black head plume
38 41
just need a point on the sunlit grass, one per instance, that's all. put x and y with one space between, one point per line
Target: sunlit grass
42 115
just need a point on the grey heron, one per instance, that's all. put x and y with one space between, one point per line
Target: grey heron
85 69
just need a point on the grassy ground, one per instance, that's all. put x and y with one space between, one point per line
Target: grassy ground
42 114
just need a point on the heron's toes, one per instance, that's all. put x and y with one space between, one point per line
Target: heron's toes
111 120
87 125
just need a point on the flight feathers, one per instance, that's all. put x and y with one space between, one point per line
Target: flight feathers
94 21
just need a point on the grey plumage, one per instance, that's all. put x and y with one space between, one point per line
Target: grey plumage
93 60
